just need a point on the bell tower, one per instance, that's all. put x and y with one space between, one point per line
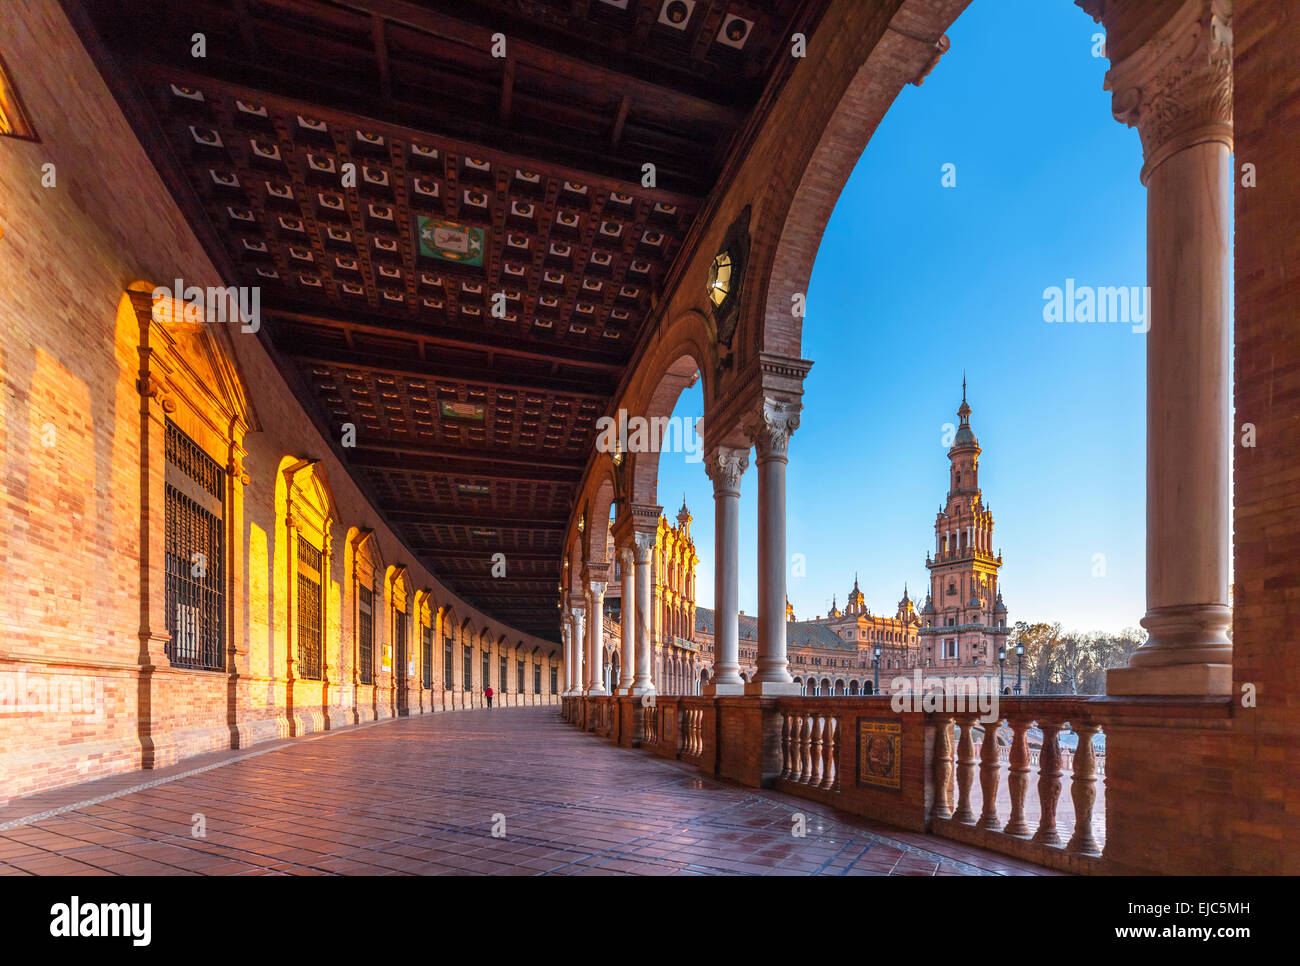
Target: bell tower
964 614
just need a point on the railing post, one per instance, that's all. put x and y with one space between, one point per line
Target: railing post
1083 790
1049 784
1018 777
805 745
787 758
819 724
830 738
989 769
942 767
967 765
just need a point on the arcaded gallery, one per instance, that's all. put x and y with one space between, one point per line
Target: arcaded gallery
312 313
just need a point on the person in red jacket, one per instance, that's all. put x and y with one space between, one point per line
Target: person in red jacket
488 695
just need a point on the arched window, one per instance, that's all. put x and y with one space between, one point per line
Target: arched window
363 568
449 650
399 606
308 524
425 611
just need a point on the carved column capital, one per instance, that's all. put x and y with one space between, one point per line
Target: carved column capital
645 545
627 556
770 427
1176 88
725 466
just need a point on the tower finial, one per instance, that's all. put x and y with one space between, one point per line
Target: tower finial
963 385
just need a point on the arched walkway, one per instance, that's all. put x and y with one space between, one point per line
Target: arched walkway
640 814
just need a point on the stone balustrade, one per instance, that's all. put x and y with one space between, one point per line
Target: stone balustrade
1012 784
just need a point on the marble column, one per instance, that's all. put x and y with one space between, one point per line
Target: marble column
576 611
725 466
1176 88
595 637
644 548
567 638
770 432
628 663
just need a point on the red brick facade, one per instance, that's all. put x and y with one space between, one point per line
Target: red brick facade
73 492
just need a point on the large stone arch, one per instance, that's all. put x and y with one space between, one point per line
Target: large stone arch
865 58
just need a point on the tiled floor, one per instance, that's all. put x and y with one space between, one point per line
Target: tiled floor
421 796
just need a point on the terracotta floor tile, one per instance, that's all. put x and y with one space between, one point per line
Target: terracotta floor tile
359 802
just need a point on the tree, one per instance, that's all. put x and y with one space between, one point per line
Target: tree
1070 663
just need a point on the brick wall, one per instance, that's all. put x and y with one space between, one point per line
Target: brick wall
70 512
1265 770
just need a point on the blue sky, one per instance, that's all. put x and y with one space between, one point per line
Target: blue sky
915 283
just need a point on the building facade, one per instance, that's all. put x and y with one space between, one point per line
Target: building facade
964 618
676 651
959 633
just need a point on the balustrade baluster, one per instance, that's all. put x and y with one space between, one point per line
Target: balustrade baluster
1049 784
1083 790
819 723
1018 777
805 745
942 807
989 776
829 744
787 759
967 765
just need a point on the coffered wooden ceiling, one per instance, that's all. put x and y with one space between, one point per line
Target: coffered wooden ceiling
475 175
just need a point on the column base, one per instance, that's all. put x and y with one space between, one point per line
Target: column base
1170 679
772 689
718 690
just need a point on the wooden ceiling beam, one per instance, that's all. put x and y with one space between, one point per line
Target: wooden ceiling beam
634 79
379 36
464 464
416 369
485 521
503 458
449 337
519 556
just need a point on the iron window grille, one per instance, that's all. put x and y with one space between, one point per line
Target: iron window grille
519 671
503 675
401 660
537 679
487 671
469 668
426 656
193 519
555 681
310 562
448 673
366 635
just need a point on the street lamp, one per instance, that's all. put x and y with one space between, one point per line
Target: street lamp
1020 664
875 661
1002 667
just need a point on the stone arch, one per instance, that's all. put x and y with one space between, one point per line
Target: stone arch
596 514
675 377
866 66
